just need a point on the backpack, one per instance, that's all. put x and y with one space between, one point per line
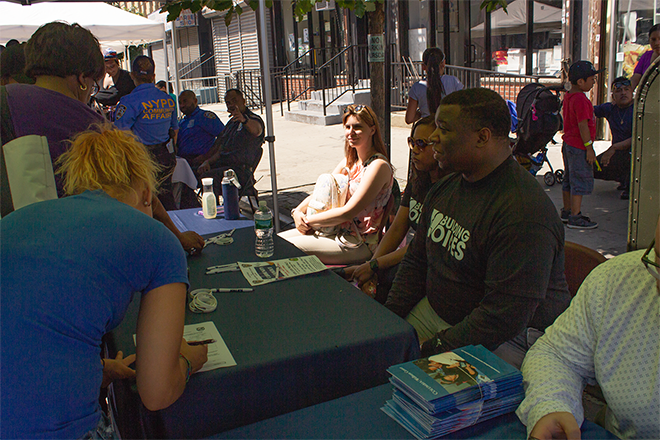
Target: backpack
539 118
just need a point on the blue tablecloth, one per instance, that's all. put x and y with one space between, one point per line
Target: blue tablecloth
358 416
193 220
297 342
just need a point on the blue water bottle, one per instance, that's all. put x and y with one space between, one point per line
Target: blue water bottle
230 188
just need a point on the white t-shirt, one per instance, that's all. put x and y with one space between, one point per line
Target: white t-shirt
418 92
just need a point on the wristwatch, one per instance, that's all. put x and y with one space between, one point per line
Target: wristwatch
373 264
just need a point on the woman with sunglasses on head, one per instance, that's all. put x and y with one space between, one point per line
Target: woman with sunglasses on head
382 267
647 57
370 177
424 96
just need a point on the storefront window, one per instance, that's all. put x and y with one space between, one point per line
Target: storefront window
509 38
635 18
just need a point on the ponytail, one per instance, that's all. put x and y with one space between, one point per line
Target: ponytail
433 58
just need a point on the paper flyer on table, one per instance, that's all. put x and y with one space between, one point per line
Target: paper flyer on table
218 354
264 272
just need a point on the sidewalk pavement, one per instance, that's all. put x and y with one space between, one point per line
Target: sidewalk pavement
303 152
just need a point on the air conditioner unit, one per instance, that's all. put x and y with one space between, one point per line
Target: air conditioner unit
325 6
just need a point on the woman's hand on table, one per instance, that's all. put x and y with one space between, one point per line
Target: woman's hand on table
191 241
556 425
196 354
117 368
300 220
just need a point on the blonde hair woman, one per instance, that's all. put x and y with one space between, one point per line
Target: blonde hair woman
70 267
370 186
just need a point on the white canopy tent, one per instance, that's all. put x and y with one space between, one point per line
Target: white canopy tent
112 26
515 21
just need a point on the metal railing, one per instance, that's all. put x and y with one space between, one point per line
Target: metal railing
191 68
320 69
206 88
346 71
407 73
295 79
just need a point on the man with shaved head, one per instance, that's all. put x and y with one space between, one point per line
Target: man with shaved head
197 130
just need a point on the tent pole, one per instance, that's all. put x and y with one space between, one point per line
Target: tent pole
268 98
177 84
166 56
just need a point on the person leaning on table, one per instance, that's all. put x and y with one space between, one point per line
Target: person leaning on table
70 268
609 335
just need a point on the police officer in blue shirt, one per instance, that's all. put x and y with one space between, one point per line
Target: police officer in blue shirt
151 115
197 130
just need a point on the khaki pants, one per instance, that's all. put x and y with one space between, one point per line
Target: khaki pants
427 323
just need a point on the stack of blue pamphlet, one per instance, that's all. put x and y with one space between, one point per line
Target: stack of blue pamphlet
450 391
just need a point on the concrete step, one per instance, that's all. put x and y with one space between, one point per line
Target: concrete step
314 118
310 111
312 105
359 97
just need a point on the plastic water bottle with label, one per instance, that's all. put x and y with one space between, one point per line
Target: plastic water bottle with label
263 229
209 207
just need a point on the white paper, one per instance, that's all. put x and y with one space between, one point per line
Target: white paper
218 354
264 272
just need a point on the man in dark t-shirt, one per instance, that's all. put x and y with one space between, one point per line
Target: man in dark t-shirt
238 146
486 265
615 161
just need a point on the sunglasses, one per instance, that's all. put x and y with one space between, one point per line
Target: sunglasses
419 143
624 83
356 109
651 266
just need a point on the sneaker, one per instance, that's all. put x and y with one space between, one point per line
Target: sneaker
625 195
581 222
565 214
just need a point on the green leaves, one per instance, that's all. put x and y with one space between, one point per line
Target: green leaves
491 5
300 7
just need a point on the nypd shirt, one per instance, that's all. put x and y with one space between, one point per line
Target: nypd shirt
198 132
149 113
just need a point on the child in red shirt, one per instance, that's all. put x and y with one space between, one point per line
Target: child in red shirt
578 151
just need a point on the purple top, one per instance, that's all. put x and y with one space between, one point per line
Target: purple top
43 112
643 62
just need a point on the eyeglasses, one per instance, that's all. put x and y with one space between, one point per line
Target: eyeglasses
651 265
622 83
419 143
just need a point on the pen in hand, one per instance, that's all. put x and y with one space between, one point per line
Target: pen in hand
204 342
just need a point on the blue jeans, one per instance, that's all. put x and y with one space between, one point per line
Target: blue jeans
578 174
103 431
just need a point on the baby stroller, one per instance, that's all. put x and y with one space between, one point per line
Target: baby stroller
540 118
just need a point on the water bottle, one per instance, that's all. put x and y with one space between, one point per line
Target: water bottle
230 187
263 229
209 207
